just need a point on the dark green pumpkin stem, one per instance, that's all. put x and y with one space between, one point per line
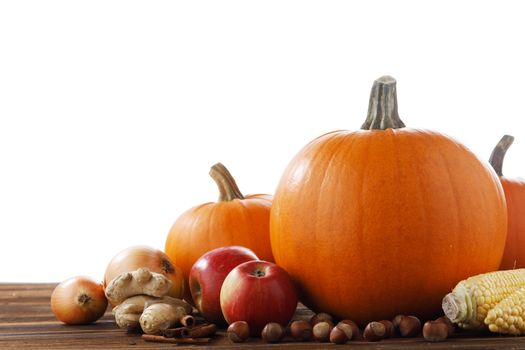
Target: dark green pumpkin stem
382 108
228 189
498 154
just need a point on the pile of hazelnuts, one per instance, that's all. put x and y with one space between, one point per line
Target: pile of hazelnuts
322 328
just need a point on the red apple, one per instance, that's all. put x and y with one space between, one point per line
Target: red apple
258 292
207 275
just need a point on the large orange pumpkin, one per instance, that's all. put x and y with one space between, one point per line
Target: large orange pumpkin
387 219
233 220
514 253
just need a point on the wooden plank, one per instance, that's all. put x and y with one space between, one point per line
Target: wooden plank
26 286
26 322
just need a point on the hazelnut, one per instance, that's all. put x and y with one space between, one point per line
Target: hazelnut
396 320
238 331
374 331
321 331
450 326
273 332
301 330
435 331
321 317
389 327
356 332
409 326
341 333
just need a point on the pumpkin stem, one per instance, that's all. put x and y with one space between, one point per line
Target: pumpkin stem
228 189
498 154
382 108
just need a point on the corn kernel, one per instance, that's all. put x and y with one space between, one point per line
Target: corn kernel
506 317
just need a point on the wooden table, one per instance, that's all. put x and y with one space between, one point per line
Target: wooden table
26 322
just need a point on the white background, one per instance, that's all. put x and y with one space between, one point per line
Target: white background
112 112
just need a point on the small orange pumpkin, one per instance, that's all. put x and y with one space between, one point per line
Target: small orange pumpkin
233 220
514 254
387 219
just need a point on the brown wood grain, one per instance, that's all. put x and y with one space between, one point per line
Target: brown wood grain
26 322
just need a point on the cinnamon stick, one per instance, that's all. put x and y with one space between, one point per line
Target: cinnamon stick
200 331
187 321
181 332
162 339
203 331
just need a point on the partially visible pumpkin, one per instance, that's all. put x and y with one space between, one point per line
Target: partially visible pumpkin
233 220
387 219
514 188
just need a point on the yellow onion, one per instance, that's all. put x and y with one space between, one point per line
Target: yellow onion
135 257
79 300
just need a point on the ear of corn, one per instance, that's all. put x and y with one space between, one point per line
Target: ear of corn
507 317
470 301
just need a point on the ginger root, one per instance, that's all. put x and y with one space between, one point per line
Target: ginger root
158 317
127 314
141 281
171 301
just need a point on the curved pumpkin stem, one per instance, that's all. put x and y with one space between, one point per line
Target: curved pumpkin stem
382 108
228 189
498 154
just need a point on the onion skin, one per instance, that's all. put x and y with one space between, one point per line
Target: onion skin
79 300
133 258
